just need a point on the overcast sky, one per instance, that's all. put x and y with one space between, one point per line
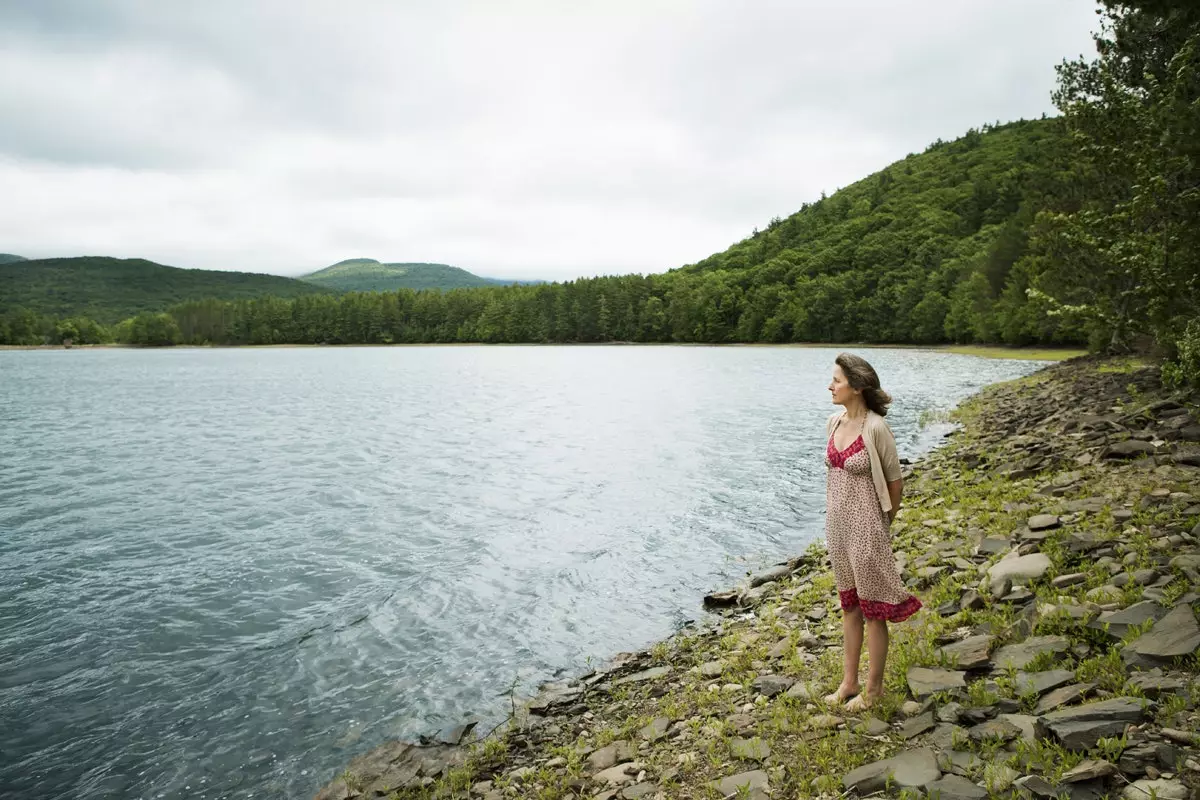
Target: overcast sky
515 139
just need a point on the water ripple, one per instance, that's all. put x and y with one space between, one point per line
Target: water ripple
223 573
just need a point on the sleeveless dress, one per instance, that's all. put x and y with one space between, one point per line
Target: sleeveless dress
856 534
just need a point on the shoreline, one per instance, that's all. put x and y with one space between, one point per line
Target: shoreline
981 351
1020 532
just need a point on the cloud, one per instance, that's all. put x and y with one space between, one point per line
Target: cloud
522 139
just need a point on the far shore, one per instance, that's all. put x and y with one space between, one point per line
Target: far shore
982 351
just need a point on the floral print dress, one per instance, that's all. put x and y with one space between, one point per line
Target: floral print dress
856 534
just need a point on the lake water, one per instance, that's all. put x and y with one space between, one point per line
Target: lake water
224 573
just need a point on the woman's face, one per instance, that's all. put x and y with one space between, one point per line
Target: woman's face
839 387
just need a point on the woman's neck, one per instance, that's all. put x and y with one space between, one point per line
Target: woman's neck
856 411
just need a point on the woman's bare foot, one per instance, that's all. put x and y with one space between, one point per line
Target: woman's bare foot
862 702
843 693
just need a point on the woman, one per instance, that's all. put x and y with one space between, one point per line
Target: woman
862 497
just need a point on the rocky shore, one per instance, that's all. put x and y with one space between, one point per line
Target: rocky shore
1054 541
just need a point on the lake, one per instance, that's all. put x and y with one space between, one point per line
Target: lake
226 572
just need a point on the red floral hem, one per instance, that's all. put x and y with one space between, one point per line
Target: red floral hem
838 458
875 609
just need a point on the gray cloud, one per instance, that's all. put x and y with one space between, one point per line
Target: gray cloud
525 139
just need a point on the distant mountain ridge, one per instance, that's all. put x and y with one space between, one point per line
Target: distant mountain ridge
9 258
369 275
109 290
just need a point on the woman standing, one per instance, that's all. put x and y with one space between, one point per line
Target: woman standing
862 496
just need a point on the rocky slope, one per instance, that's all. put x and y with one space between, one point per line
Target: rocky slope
1053 539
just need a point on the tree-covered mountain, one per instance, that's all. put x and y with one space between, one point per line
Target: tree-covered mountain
9 258
369 275
109 290
927 250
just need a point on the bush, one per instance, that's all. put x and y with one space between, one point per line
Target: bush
1184 369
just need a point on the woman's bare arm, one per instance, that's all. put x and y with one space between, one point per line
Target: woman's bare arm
895 491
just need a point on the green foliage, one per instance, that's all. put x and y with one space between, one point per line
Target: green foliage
150 330
1184 370
369 275
1122 248
9 258
111 289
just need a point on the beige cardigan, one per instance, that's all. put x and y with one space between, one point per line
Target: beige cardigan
881 447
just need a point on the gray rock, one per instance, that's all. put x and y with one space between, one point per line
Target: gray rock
954 787
753 780
771 685
712 669
1155 790
1129 449
872 727
1186 561
611 755
639 790
646 675
615 776
1024 723
917 725
971 601
1088 770
960 762
656 730
1176 634
993 546
1080 727
950 712
994 729
1119 622
1044 522
754 749
1028 567
770 575
804 690
1153 685
455 734
924 681
1020 655
1063 696
970 653
910 769
1036 786
1063 581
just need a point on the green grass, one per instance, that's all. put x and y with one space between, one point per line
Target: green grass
1018 353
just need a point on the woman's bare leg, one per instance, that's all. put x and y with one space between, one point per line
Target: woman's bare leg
852 632
877 650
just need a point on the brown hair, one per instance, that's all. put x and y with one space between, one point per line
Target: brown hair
861 375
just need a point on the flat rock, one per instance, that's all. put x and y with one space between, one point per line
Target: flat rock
712 669
917 725
1154 685
1036 786
755 749
646 675
753 780
639 790
1119 622
910 769
1041 682
768 576
954 787
1089 770
611 754
1063 696
656 730
1044 522
1128 449
1028 567
1159 789
924 681
994 729
1080 727
970 653
1023 722
1176 634
615 776
1020 655
804 690
771 685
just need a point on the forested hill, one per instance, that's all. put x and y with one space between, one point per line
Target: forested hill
109 290
8 258
926 250
369 275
